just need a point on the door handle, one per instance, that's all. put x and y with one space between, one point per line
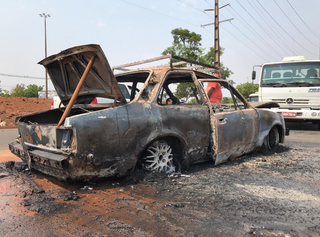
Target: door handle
223 120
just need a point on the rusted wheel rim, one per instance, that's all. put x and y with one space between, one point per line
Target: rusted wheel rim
159 158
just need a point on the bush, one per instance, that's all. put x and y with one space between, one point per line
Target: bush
21 91
247 88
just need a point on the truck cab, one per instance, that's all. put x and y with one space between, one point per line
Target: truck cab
294 84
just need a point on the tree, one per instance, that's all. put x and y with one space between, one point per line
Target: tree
4 93
187 45
184 90
21 91
247 88
226 100
208 58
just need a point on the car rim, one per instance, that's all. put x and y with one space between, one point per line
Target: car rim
159 158
273 138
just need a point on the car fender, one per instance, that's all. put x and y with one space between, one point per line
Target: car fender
269 119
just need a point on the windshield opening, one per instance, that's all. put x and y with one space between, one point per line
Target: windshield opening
299 73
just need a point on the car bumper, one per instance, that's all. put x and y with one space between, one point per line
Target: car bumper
66 167
298 115
43 161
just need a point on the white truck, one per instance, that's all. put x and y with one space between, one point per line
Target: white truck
294 84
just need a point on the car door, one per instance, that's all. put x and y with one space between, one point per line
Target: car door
189 120
235 125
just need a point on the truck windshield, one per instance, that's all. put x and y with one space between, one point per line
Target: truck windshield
297 74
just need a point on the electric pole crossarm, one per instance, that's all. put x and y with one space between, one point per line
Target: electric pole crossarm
230 19
219 8
216 31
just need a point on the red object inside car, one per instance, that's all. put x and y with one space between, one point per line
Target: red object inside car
94 101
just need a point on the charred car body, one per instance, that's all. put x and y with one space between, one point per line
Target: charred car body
154 129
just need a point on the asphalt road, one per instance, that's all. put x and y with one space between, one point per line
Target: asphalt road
7 136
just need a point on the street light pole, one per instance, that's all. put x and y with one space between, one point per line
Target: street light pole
45 16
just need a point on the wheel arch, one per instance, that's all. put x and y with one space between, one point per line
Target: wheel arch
178 144
281 132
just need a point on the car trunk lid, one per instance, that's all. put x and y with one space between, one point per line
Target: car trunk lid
67 67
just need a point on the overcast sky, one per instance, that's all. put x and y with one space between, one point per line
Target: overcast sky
130 30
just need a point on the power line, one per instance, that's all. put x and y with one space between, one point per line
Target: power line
302 20
194 7
158 13
284 29
28 77
271 28
293 23
190 5
245 44
259 24
224 43
209 3
253 31
252 41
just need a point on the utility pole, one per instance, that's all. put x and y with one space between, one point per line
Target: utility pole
45 46
216 31
216 35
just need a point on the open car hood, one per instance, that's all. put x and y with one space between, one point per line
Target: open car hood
66 68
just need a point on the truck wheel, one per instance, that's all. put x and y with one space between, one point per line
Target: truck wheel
159 158
271 141
316 122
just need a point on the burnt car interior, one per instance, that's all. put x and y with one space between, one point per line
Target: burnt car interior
169 88
134 81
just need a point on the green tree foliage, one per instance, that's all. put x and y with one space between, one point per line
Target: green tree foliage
226 100
208 58
192 101
22 91
4 93
247 88
187 45
184 90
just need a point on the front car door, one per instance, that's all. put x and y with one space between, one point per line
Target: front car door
234 124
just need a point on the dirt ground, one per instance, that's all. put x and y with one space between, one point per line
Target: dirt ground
255 195
16 106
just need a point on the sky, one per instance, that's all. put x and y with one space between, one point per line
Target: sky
262 31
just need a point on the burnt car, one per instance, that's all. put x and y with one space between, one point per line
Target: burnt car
154 130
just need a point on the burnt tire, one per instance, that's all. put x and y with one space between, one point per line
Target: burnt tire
159 157
272 140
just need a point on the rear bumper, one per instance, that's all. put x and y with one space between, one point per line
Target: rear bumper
63 166
43 161
46 162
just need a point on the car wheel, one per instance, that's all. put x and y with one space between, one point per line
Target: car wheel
159 158
271 141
